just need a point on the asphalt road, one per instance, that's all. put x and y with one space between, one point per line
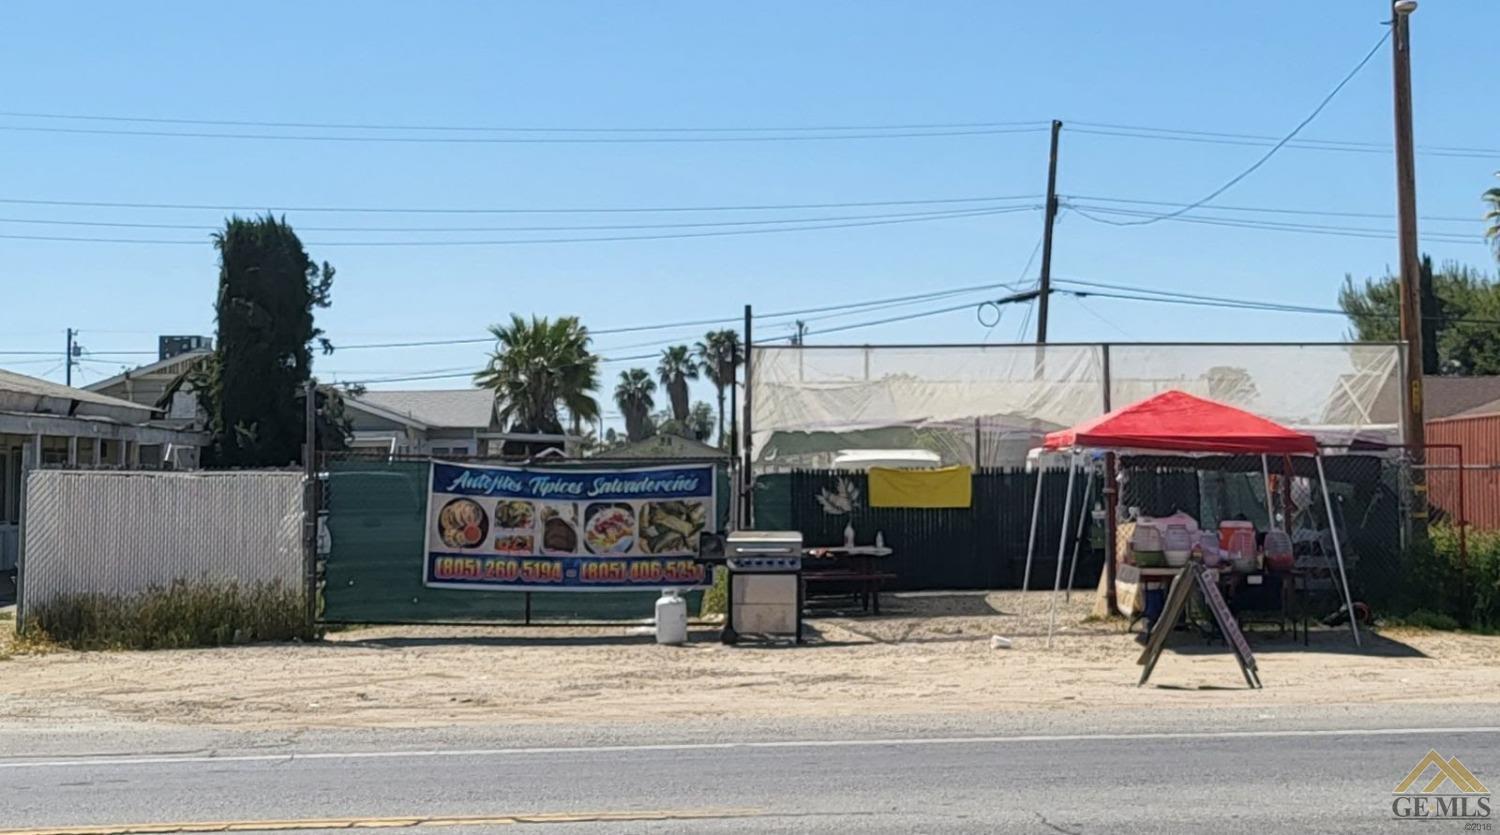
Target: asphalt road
1125 778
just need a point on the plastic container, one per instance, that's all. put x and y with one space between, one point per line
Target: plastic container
671 618
1231 528
1208 541
1146 545
1177 545
1240 553
1278 550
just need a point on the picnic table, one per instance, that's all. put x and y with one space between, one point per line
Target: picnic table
848 569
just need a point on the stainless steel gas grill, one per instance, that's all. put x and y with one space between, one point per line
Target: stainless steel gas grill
765 585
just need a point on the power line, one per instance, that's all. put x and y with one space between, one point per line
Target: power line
1076 126
470 374
1000 311
1145 294
513 128
1093 213
1026 319
1266 157
1272 209
955 215
917 297
573 228
523 140
1087 308
1260 140
229 207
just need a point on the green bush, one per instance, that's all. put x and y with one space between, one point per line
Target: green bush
716 598
1432 580
184 614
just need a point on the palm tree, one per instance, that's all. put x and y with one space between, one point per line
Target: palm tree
539 368
720 354
1493 216
633 396
674 371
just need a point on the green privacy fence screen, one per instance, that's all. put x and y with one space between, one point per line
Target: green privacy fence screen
372 573
979 547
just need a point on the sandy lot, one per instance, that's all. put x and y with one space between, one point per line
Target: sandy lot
926 655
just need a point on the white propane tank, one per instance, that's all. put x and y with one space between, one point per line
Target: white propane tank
671 618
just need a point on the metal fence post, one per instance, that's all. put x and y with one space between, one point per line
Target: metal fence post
310 508
21 545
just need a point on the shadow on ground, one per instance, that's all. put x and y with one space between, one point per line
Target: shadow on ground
493 636
1322 641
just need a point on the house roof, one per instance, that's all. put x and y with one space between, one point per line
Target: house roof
185 358
1483 409
1442 397
32 395
442 409
1451 396
665 446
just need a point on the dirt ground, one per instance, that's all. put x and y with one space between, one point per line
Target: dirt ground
926 655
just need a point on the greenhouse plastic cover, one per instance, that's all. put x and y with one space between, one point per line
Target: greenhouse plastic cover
988 405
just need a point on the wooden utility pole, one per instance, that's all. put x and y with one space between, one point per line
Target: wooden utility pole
68 360
1415 434
1051 212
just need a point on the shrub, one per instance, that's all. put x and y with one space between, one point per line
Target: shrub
1432 580
716 598
183 614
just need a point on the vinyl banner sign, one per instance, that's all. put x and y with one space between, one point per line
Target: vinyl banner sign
534 529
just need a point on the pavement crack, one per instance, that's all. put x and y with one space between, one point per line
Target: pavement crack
1054 827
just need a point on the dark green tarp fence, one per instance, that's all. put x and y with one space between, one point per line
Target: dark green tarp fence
979 547
372 573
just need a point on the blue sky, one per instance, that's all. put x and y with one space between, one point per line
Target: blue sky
1252 68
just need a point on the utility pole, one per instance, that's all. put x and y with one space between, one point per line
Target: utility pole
1411 271
69 358
1046 283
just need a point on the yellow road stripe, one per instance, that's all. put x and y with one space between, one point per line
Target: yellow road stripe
182 828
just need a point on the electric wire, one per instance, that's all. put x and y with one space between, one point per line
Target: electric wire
1266 157
955 215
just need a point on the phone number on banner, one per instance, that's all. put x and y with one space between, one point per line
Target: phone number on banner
566 572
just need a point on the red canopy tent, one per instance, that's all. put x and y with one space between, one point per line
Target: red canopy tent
1175 421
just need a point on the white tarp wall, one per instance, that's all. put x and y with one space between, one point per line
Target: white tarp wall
119 533
987 405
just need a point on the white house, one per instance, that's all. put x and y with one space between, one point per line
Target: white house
46 424
148 385
442 422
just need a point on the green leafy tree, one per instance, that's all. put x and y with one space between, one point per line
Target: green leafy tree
252 387
1459 308
537 370
720 354
634 395
675 369
700 422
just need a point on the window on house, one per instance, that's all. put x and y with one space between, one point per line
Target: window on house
54 451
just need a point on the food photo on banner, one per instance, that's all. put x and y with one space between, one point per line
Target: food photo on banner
496 527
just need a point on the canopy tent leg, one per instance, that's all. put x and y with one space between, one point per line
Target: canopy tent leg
1265 483
1338 549
1036 514
1088 492
1062 547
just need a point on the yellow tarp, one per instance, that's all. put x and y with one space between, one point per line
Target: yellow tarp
945 487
